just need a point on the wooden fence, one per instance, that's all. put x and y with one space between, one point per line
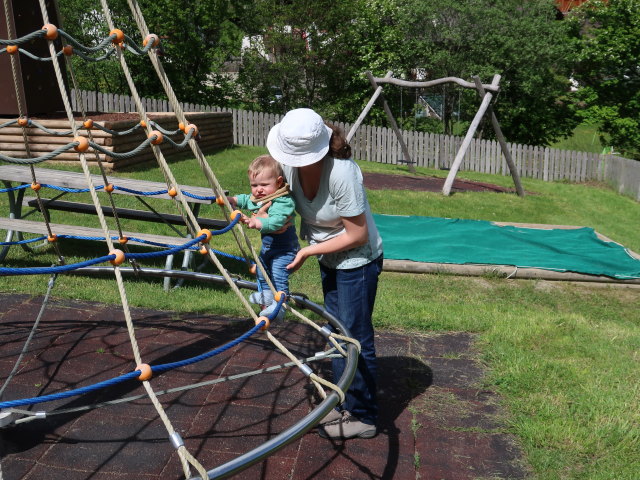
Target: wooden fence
379 144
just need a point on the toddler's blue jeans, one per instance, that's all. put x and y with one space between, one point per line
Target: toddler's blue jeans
278 251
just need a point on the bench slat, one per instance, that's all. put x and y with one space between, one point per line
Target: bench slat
22 174
128 213
30 226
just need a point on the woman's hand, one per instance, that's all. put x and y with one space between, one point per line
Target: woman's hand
301 256
262 211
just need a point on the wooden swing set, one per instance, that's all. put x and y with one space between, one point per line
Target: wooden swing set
485 91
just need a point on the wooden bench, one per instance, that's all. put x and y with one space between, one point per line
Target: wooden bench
31 226
126 213
15 224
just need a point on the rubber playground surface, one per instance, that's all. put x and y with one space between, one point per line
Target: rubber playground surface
437 421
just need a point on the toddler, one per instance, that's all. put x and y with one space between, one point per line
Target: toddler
279 238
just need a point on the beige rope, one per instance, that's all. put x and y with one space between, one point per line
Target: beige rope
184 456
313 377
25 137
313 324
281 192
105 181
204 165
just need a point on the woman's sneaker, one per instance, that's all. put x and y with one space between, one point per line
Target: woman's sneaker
347 427
332 416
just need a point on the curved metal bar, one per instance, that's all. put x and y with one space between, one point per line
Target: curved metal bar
432 83
292 433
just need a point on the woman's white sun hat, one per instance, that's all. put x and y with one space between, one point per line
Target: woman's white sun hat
300 139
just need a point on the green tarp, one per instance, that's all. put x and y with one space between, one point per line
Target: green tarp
449 240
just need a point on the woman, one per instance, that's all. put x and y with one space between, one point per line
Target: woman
327 187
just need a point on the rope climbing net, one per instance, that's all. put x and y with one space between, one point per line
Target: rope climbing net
114 46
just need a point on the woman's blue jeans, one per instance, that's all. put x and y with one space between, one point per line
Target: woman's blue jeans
278 251
350 295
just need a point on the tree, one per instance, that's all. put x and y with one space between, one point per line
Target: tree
608 69
315 54
197 38
521 41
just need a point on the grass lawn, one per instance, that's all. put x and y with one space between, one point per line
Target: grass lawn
565 357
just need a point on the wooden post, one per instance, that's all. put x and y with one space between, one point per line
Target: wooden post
446 189
394 125
365 112
500 137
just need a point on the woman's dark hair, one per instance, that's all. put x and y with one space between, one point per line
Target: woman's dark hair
338 146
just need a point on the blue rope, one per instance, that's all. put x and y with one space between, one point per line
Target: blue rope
100 187
61 268
74 266
199 197
131 375
21 242
170 366
71 393
70 190
12 189
138 192
165 253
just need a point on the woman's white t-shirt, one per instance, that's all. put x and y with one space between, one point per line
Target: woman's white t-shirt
341 194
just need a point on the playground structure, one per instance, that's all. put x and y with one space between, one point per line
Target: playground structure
486 92
116 44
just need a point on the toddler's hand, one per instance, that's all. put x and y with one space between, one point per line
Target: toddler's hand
254 222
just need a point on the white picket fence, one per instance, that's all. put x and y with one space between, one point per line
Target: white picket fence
379 144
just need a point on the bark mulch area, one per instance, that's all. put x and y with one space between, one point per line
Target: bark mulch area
437 419
382 181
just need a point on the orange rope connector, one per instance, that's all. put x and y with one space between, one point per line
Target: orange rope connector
119 35
52 238
203 250
35 187
83 144
278 295
153 38
235 213
172 192
109 188
253 269
266 322
206 232
159 138
143 124
52 31
123 240
191 126
181 126
145 371
67 50
23 121
88 124
220 200
12 49
119 256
